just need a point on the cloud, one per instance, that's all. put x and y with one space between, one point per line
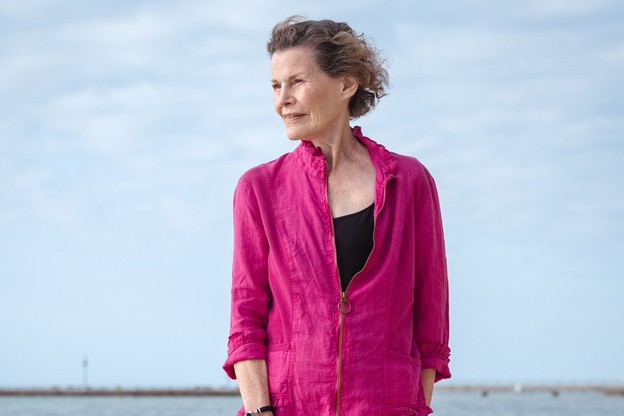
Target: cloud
613 55
135 107
566 8
510 119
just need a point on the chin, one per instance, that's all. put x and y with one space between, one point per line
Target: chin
294 134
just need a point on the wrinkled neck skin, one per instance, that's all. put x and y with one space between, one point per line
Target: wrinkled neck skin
340 146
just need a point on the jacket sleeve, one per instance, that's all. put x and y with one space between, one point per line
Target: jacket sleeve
431 310
250 288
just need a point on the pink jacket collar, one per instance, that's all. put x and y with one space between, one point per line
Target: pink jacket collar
312 159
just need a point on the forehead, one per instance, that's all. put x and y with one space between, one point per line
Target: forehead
291 61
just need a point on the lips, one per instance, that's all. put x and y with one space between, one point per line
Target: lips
291 116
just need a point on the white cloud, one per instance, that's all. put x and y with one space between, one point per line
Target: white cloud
18 8
565 8
509 118
613 55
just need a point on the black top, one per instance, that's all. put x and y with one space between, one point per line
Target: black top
354 242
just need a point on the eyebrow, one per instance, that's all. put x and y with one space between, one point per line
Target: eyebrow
297 75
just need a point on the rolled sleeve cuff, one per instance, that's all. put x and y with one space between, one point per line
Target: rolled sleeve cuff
245 346
436 356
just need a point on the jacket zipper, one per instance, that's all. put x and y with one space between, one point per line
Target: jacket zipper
343 302
344 307
347 307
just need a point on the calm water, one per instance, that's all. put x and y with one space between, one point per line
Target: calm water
445 404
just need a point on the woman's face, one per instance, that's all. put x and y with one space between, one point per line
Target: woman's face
312 104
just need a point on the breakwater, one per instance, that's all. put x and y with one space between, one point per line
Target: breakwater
483 389
554 389
118 391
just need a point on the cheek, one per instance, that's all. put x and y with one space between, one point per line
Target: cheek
319 113
276 105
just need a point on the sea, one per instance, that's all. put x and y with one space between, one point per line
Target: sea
444 404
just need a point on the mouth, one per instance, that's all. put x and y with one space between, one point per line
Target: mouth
292 116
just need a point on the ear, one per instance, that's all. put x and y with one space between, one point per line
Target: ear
349 86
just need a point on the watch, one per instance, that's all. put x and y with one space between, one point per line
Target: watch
260 410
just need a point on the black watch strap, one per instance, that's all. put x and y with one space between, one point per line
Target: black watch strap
260 410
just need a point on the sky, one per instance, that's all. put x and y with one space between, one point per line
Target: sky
124 127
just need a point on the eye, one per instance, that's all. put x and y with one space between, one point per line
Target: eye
276 86
298 81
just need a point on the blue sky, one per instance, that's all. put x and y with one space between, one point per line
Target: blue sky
124 127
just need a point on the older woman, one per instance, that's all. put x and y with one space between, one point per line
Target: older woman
339 290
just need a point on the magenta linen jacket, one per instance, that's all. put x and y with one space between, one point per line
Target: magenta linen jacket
332 353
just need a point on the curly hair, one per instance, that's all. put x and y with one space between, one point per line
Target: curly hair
339 51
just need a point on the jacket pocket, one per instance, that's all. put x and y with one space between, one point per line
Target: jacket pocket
404 390
279 368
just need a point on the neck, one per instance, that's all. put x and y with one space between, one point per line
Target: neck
339 148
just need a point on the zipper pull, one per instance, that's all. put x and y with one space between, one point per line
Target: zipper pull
344 306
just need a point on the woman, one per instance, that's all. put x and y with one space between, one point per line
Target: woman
339 289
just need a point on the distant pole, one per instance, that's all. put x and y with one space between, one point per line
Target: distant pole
85 372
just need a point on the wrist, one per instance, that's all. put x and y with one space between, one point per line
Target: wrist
266 410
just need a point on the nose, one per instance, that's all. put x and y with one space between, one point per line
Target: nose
285 96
